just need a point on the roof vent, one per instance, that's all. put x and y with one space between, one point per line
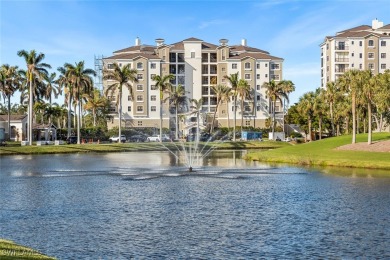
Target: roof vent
137 41
243 42
159 41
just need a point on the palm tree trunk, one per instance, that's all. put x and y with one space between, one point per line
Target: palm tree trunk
78 122
94 117
120 116
30 112
273 120
69 116
75 115
177 124
242 114
161 114
332 118
9 117
215 114
369 123
235 117
309 124
353 118
228 117
320 127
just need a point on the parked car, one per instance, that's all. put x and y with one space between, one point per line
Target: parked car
137 138
71 140
156 138
116 139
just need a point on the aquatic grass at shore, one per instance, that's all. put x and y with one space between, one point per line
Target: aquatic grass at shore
10 251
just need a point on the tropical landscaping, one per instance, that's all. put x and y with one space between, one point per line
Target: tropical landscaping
10 250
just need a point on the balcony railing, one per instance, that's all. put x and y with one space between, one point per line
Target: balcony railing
341 59
341 48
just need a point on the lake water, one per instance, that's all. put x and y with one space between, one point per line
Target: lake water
146 205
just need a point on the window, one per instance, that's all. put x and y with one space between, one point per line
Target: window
360 55
153 98
327 46
120 64
352 54
247 76
111 98
128 98
223 69
140 66
152 76
257 76
140 77
258 108
266 65
153 87
370 55
327 68
234 66
247 66
371 43
383 66
360 43
140 98
153 65
112 109
247 123
353 65
360 66
266 75
275 77
110 66
129 108
258 98
371 66
383 55
352 42
327 58
223 54
275 66
153 108
181 68
140 87
140 109
257 87
383 43
192 54
258 66
139 123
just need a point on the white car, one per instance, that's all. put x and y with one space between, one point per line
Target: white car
156 138
116 139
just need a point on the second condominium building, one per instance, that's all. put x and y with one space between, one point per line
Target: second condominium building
363 48
197 65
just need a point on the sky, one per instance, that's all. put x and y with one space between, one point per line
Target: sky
77 30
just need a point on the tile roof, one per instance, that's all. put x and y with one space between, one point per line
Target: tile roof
356 34
131 56
255 55
192 39
246 48
357 28
12 117
139 48
386 27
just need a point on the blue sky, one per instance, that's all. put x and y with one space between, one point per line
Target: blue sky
71 30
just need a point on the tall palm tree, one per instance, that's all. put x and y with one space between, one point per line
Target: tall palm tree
94 102
225 97
163 84
220 92
9 82
178 99
233 80
275 92
197 109
120 77
51 88
349 83
288 87
81 79
331 94
373 85
36 70
64 81
244 92
306 107
319 108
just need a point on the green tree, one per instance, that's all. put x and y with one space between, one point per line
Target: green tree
221 92
197 109
95 102
178 99
81 79
306 107
120 77
36 70
233 81
331 95
244 92
163 84
64 81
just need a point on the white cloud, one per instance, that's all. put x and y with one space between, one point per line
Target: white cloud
206 24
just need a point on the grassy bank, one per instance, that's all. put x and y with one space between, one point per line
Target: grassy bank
14 149
9 251
324 153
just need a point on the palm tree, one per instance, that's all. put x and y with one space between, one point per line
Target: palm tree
220 92
197 109
233 80
64 81
372 86
81 79
306 107
51 88
94 102
319 108
9 83
349 83
275 91
36 70
288 87
163 84
331 94
120 77
225 97
178 99
244 91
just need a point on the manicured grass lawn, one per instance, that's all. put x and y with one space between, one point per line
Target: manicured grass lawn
15 148
9 250
323 153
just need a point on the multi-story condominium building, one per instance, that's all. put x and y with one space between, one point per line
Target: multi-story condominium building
196 65
363 47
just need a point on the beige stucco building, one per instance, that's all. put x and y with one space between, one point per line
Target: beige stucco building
197 65
362 47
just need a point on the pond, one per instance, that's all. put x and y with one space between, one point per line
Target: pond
147 205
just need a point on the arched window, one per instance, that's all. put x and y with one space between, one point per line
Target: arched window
371 43
247 65
139 65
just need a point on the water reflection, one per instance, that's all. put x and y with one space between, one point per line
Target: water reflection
147 205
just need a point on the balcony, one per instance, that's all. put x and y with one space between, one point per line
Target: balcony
213 57
341 48
341 59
